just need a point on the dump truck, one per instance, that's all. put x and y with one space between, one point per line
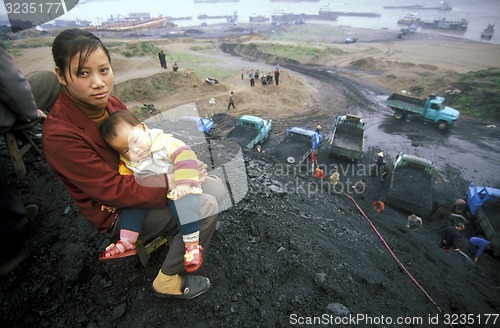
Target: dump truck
297 145
431 109
411 184
484 203
347 138
250 131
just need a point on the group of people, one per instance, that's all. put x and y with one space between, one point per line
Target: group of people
265 78
163 61
451 241
451 235
130 181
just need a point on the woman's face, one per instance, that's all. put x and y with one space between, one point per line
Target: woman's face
94 83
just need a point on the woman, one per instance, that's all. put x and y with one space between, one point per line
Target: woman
79 156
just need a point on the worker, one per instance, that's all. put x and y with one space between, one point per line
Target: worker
378 206
318 128
458 206
313 160
380 163
414 222
335 176
319 173
360 188
478 246
451 235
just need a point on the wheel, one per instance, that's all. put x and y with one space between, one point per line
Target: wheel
442 125
399 114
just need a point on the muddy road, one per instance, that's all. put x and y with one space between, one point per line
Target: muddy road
467 152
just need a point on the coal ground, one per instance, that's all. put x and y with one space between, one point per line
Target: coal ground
291 252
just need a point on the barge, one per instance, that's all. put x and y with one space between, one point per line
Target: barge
445 24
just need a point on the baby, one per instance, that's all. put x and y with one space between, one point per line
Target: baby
147 152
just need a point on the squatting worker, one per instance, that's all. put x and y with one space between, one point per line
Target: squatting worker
87 166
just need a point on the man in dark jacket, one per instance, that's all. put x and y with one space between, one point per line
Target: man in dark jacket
451 236
16 105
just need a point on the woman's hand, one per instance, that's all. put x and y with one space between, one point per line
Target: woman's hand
42 114
202 168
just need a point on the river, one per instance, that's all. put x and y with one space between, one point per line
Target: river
479 13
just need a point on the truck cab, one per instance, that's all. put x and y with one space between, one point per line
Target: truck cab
436 111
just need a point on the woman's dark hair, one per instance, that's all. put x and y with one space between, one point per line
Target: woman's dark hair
73 42
108 127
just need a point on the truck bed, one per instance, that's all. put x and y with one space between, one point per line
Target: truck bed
405 103
406 190
347 142
242 135
291 147
488 218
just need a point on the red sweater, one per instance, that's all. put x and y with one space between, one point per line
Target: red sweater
88 167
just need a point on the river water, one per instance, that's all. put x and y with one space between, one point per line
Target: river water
480 13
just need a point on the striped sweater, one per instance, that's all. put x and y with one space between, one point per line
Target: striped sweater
168 155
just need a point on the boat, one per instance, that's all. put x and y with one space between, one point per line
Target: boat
442 6
327 12
258 19
280 16
205 16
411 19
179 18
63 24
445 24
133 21
488 32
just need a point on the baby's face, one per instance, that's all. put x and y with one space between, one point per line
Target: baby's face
132 142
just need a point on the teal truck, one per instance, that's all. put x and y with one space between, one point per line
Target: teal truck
250 131
347 138
430 109
410 176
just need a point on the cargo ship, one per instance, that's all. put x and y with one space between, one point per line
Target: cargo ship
133 21
258 19
443 6
229 18
328 12
445 24
411 19
280 16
